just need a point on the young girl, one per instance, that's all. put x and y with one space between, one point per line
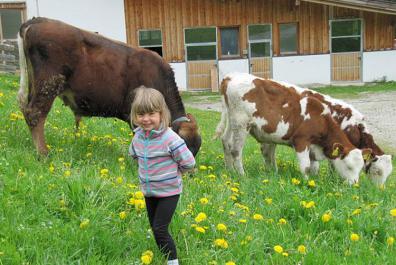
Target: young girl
162 157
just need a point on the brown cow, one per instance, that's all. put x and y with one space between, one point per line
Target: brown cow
93 75
272 113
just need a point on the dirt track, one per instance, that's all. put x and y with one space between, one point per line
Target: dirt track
379 109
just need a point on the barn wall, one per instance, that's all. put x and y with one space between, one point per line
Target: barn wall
172 16
103 16
303 70
379 65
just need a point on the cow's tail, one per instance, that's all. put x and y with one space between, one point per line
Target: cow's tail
23 90
221 127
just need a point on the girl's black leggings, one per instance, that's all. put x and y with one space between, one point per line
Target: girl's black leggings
160 212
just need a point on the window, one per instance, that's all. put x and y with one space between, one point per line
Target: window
11 21
229 42
200 44
259 38
151 39
288 38
346 36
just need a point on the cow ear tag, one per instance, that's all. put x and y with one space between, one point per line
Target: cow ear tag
336 152
366 156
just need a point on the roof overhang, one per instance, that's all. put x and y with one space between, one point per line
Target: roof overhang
384 7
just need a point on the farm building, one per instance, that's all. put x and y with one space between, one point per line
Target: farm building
298 41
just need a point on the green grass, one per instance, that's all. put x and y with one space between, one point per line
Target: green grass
45 202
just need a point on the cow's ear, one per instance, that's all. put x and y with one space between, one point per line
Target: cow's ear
367 154
337 150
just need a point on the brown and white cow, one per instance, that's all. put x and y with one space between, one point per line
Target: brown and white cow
272 113
353 124
93 75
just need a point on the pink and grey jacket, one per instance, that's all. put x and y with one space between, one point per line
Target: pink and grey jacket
162 157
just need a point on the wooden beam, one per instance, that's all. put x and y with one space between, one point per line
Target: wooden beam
370 6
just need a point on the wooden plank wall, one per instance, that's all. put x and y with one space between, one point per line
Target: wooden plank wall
172 16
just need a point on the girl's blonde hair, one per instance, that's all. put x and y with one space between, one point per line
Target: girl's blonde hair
150 100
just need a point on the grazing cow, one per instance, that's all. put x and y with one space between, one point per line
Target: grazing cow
272 113
93 75
353 124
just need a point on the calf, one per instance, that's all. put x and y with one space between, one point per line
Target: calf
272 113
353 124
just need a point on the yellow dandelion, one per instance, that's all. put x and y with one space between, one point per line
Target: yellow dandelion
147 257
122 215
230 263
121 159
285 254
119 180
204 200
200 229
67 173
232 213
203 167
84 223
278 249
390 241
258 217
308 205
357 211
243 221
282 221
311 183
349 221
268 201
139 204
302 249
221 242
104 171
326 217
138 195
393 212
355 237
265 181
200 217
295 181
51 168
221 227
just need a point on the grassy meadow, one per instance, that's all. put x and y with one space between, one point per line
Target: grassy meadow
82 205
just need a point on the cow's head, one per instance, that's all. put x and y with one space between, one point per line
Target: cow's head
348 164
188 130
379 168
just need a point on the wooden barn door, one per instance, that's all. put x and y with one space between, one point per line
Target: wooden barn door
260 52
201 57
346 50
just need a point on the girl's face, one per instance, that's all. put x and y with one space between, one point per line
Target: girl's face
149 121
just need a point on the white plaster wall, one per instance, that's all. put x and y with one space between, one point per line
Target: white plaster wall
102 16
229 66
378 64
302 70
180 75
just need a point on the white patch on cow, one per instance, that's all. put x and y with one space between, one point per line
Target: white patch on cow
326 110
303 105
256 129
380 169
349 168
285 105
304 162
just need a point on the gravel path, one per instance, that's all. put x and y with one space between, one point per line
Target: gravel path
379 109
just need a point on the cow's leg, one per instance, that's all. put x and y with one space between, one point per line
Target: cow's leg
227 143
238 141
304 162
77 119
268 152
38 107
314 167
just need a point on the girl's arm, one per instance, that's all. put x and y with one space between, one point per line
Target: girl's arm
131 151
182 155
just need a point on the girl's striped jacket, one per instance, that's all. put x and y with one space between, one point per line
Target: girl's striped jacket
162 157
